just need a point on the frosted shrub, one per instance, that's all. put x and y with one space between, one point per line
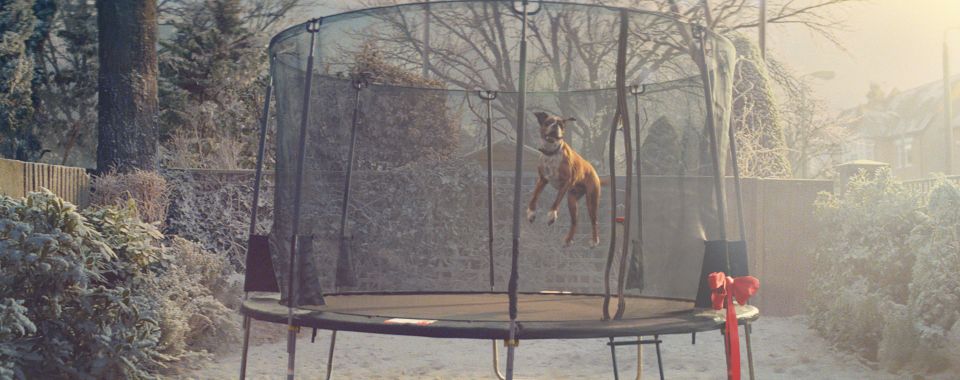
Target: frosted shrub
60 316
935 289
864 262
215 211
94 294
885 284
147 189
190 289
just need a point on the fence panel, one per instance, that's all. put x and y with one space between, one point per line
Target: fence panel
18 178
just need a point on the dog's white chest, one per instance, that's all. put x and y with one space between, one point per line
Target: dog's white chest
550 166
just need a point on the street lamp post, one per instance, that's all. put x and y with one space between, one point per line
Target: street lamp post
947 101
763 29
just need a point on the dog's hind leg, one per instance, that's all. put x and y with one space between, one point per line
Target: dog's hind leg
572 200
593 203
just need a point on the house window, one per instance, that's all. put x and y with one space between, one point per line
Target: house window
861 149
904 147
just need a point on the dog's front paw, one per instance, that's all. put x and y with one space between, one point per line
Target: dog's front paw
567 243
595 242
531 215
551 217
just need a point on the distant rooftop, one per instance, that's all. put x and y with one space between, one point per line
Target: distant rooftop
905 112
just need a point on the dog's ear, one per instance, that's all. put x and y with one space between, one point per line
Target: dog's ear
541 116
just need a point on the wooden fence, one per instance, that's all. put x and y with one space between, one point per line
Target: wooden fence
17 178
925 185
781 235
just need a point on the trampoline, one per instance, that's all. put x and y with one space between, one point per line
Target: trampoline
480 315
406 149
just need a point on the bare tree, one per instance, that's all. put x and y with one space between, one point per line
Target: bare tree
815 137
726 16
572 54
474 47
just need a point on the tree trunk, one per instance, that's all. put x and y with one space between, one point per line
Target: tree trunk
127 86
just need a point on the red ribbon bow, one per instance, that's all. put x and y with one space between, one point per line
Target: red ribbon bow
726 289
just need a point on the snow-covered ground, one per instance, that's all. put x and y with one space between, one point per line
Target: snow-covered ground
784 348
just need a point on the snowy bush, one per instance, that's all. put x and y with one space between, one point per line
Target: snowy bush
935 289
93 293
62 316
884 284
864 261
147 189
215 211
194 291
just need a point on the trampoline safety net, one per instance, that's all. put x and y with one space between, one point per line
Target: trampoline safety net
416 129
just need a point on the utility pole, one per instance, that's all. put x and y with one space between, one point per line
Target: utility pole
947 102
425 53
763 29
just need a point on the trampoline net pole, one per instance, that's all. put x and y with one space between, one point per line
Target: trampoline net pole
628 151
488 96
261 147
700 40
636 91
611 253
345 275
312 27
518 182
742 228
518 167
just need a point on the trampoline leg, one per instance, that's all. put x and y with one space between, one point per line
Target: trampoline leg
496 362
509 374
613 356
659 361
291 350
246 346
639 358
746 334
333 344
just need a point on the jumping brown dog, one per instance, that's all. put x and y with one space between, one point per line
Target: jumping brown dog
569 173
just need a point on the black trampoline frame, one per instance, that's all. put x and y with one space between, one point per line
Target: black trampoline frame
679 323
495 330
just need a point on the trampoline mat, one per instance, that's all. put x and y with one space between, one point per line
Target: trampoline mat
484 315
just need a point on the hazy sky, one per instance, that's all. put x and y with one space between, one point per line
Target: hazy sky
896 43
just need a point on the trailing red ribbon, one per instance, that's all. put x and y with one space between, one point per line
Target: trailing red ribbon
725 290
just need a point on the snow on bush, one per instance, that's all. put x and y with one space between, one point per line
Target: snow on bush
147 189
884 284
93 293
68 309
195 296
214 211
935 289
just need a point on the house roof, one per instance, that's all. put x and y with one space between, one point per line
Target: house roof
904 113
